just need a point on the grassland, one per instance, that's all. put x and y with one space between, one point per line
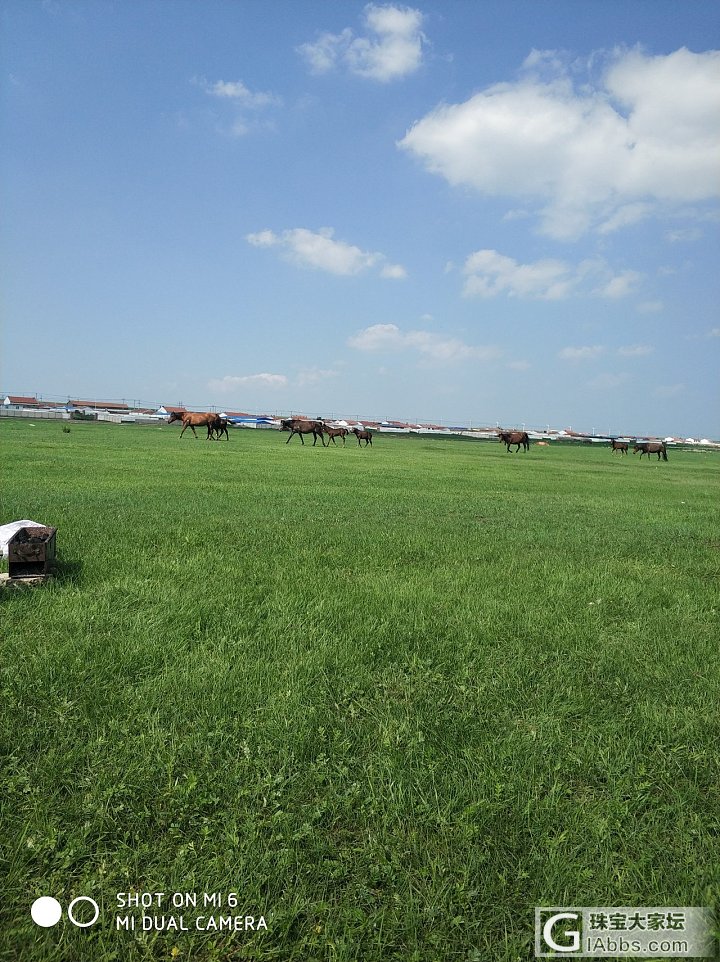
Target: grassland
394 698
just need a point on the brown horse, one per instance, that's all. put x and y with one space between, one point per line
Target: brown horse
621 446
192 420
333 433
301 426
363 435
518 438
651 447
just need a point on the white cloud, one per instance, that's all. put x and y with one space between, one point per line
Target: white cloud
231 383
389 337
263 238
378 337
581 353
242 102
391 47
650 307
625 216
237 92
319 250
491 274
619 286
597 155
635 350
714 332
394 272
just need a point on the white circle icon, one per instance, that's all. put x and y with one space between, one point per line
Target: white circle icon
46 911
83 898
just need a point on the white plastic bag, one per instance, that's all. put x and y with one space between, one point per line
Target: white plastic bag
9 529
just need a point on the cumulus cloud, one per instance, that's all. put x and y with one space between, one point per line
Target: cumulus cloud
237 92
389 337
581 353
390 48
592 154
394 271
231 383
320 250
491 274
243 102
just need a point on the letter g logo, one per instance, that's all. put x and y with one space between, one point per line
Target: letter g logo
574 936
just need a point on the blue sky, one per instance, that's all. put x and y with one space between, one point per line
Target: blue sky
459 211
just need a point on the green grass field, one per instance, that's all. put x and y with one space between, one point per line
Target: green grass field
394 698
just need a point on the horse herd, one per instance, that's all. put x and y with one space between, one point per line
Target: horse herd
644 447
217 426
319 429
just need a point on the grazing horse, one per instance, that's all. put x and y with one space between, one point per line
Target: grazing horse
518 438
651 447
192 420
621 446
333 433
301 426
363 435
220 428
